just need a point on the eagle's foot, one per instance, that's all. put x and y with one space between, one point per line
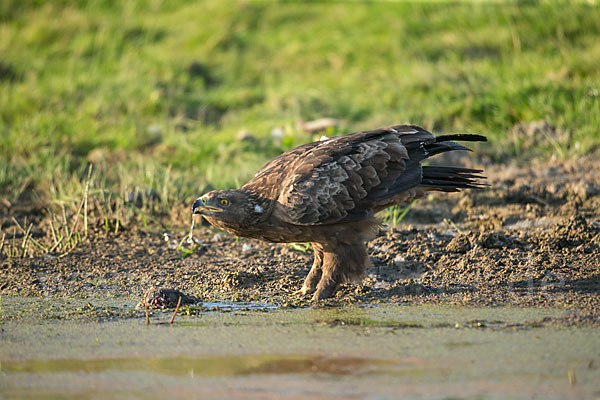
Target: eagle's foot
326 287
312 279
304 290
324 292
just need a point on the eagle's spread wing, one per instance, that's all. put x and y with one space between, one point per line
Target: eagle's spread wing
341 179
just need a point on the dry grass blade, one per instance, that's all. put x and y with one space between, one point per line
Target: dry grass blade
57 240
117 216
2 243
52 229
75 221
146 308
451 223
25 242
85 204
175 312
56 244
37 243
66 223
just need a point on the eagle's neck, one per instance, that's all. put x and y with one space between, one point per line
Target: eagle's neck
259 207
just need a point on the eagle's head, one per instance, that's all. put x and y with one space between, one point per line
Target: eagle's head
228 208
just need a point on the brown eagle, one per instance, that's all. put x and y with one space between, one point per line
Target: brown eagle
328 192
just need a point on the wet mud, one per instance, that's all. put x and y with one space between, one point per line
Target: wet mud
531 239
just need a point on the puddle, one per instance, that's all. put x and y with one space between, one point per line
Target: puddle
383 352
208 366
95 309
238 306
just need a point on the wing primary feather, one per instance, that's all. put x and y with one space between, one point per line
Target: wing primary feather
439 183
467 137
437 148
451 172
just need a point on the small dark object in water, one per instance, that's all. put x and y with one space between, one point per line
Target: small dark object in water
164 298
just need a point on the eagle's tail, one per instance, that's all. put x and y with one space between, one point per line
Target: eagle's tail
451 179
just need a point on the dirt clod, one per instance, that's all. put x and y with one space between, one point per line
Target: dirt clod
460 244
164 298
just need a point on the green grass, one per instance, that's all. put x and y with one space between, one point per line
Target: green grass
155 93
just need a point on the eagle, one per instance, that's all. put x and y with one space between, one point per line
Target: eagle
328 193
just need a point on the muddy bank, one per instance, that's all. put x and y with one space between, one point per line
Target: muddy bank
531 239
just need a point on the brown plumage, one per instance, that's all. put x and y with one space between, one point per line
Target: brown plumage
328 193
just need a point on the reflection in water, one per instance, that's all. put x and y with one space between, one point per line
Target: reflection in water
383 352
209 366
237 306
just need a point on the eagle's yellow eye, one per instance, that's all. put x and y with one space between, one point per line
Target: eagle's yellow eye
224 202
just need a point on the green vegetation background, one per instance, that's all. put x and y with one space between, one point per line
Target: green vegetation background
156 93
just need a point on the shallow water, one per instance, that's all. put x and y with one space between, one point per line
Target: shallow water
383 352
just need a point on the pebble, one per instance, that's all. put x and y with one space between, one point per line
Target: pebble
246 247
217 237
398 260
170 240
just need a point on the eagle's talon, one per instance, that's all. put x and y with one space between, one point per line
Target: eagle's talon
321 295
303 291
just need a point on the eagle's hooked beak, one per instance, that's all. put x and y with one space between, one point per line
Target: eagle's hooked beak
200 207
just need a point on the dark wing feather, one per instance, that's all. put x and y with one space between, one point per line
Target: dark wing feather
346 178
267 180
339 179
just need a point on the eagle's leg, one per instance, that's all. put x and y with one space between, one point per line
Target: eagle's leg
342 262
314 275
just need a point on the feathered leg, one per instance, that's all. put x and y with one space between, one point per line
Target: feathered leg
343 262
314 275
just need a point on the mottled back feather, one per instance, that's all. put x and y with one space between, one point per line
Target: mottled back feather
343 179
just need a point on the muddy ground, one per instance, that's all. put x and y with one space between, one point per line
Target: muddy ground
531 239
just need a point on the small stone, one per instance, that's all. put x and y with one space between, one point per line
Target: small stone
246 247
399 260
217 237
164 298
